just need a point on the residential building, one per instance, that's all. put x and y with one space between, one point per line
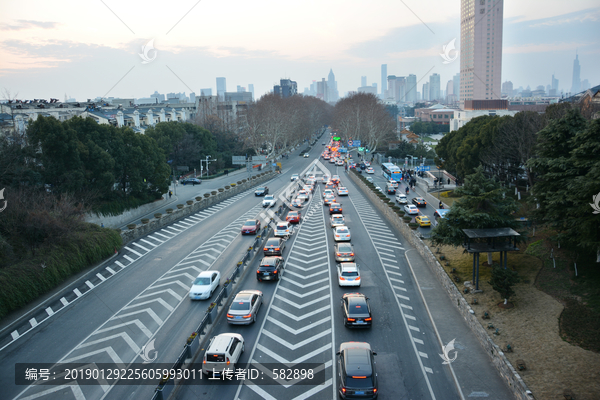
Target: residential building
507 89
477 108
436 113
411 89
426 91
481 49
206 92
286 88
238 96
159 97
251 89
363 81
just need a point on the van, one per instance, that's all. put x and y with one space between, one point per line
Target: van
222 353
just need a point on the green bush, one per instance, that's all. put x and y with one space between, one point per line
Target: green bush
407 219
25 281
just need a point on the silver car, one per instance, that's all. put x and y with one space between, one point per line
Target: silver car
337 220
341 234
344 252
244 308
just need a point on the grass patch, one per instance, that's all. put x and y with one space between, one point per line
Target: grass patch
584 335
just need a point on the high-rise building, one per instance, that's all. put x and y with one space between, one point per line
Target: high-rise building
411 89
507 89
286 88
363 81
480 49
221 88
426 91
456 88
332 87
450 96
383 80
193 97
322 90
251 89
159 97
375 86
576 87
434 87
400 88
585 85
554 84
391 88
206 92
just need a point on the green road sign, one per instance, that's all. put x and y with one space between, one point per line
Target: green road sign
361 149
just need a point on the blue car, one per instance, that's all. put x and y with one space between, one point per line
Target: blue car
191 181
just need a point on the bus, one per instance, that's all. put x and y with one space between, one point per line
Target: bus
391 171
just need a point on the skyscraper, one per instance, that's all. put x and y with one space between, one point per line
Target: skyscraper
576 88
286 88
434 87
251 89
456 89
507 89
411 89
363 81
332 87
206 92
391 91
426 91
480 49
221 88
383 80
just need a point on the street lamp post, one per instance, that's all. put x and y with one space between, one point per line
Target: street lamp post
440 178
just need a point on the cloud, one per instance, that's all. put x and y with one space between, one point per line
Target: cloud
586 17
29 24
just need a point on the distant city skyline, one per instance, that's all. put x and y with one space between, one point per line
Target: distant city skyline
53 49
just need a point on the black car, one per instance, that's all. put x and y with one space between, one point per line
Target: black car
261 191
274 246
191 181
419 202
356 365
356 311
270 269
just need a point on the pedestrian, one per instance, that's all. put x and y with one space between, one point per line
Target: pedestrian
170 193
441 205
102 225
193 183
226 172
448 181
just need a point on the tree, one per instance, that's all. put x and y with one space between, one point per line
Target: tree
503 280
567 167
482 206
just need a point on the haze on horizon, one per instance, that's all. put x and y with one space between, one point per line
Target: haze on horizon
58 48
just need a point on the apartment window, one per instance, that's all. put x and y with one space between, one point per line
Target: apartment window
482 11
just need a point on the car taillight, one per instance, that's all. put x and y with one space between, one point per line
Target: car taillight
277 249
351 254
342 278
265 249
229 316
368 319
351 319
275 271
247 316
374 390
258 271
344 390
357 278
338 254
228 362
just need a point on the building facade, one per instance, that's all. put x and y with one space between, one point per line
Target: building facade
481 25
221 87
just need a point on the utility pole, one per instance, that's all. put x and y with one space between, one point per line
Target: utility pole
207 161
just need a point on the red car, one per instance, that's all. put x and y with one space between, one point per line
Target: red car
293 217
251 227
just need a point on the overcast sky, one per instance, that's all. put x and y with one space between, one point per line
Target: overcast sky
86 49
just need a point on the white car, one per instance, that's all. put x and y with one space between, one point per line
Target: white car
401 198
378 188
342 191
306 155
370 170
341 234
337 220
370 179
411 209
283 229
269 201
244 308
223 352
308 188
393 183
329 199
348 274
339 162
327 192
325 179
204 285
367 164
294 177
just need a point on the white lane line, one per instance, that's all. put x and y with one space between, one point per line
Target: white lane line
397 280
410 317
49 311
417 340
15 335
160 234
77 292
141 247
128 258
64 301
399 288
90 284
33 322
109 269
133 251
149 242
101 277
424 355
414 328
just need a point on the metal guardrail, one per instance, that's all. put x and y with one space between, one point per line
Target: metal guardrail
167 384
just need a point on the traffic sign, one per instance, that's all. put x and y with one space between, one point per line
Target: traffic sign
350 143
336 138
423 168
354 143
361 149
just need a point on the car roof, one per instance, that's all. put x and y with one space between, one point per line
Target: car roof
357 361
253 221
348 266
282 224
205 274
273 240
243 296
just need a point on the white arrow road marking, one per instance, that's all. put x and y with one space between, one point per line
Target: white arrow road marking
299 344
303 295
297 331
304 305
299 318
285 279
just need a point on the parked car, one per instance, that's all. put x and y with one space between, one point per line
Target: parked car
356 311
270 268
357 373
204 285
244 307
223 352
261 191
191 181
251 227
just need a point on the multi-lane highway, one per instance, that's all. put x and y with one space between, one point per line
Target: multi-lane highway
300 320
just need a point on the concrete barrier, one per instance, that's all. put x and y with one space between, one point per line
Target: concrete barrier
166 219
503 366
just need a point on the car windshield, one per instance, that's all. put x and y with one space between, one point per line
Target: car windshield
272 242
269 197
280 227
363 382
344 248
260 189
202 281
342 231
249 223
240 306
292 214
349 273
215 357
